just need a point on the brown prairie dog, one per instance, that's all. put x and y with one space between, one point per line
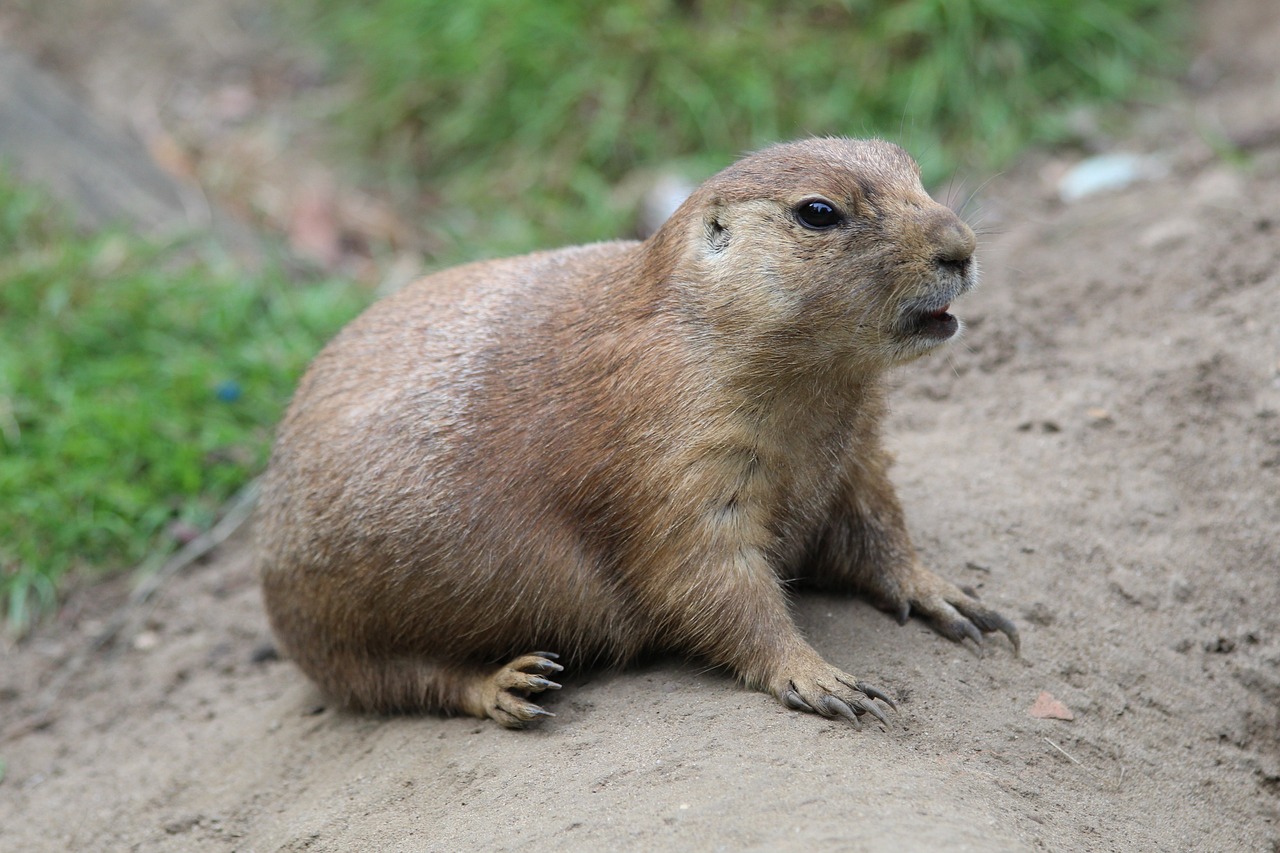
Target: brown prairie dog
619 448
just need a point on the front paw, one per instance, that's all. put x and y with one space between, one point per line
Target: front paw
818 688
955 613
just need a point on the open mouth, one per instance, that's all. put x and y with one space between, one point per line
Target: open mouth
938 324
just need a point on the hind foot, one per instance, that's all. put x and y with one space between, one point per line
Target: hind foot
504 696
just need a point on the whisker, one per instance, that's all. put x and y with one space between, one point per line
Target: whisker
979 189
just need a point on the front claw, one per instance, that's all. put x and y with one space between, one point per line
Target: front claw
955 613
831 693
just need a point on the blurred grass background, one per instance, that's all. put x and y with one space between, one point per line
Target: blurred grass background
525 117
139 386
138 389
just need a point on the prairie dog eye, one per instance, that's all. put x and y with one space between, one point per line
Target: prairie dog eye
818 214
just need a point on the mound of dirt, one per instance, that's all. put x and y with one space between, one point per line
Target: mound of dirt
1099 457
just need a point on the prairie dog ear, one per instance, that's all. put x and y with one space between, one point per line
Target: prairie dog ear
715 229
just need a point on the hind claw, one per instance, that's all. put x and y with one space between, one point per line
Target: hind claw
511 685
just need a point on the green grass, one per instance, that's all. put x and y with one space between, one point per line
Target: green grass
139 387
521 117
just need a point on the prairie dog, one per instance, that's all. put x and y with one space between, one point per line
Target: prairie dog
619 448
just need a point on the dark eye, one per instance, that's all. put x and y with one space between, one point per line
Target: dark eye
818 215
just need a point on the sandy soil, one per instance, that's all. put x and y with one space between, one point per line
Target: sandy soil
1100 457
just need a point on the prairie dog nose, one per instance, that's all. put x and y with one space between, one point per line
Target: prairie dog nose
953 240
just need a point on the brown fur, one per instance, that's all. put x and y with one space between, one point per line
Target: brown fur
619 448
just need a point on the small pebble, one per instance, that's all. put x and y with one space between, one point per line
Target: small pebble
1047 707
146 641
1109 172
228 391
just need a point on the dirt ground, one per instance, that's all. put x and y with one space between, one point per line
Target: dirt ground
1099 456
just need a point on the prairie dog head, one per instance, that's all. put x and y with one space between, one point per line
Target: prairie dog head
826 249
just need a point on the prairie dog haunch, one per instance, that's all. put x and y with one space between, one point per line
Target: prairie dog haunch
619 448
